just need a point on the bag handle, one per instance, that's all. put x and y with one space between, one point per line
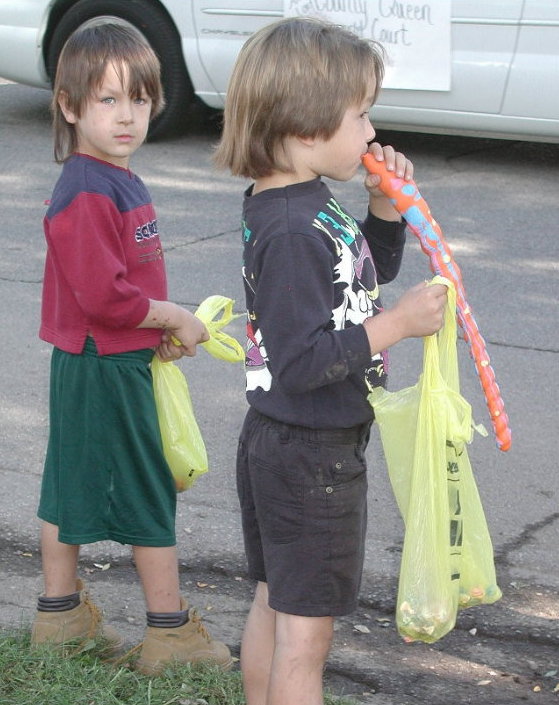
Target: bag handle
439 349
440 359
220 345
444 341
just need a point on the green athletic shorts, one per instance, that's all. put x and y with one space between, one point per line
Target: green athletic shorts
105 475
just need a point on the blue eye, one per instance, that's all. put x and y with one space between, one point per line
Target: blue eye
108 100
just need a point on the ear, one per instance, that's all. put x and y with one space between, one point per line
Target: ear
69 114
307 141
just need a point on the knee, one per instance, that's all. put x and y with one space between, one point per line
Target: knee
305 639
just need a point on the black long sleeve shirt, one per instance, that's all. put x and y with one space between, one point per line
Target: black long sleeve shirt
310 282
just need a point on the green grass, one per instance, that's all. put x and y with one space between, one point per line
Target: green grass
46 676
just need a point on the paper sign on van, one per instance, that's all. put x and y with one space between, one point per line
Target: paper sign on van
415 36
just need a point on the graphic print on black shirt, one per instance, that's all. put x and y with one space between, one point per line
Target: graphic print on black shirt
356 293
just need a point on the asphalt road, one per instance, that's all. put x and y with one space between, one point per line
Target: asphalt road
497 204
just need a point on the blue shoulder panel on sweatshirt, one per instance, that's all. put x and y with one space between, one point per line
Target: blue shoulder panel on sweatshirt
83 174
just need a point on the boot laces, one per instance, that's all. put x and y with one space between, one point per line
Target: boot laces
195 618
95 613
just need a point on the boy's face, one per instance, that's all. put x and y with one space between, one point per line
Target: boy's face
112 125
339 157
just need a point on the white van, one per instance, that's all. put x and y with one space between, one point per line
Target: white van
503 62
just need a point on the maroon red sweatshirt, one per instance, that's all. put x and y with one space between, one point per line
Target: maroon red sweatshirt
104 259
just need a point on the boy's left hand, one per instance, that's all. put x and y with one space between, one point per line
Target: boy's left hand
395 161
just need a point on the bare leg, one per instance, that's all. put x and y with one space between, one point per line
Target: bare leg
186 643
60 570
158 570
257 648
283 655
302 646
60 563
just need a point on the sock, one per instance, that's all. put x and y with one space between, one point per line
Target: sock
167 620
58 604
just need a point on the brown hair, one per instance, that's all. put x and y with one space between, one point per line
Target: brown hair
295 77
81 68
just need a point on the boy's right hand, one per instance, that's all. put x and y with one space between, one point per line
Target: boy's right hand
190 331
178 323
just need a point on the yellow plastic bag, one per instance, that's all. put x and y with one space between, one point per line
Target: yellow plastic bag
447 558
220 345
183 445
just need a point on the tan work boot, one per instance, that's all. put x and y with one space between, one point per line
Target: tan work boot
190 643
79 624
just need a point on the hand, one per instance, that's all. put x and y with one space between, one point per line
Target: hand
395 161
187 334
167 350
421 310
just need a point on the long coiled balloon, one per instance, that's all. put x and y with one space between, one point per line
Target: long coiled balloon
412 206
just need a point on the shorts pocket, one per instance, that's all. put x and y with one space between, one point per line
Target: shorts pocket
343 464
279 498
347 512
243 481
